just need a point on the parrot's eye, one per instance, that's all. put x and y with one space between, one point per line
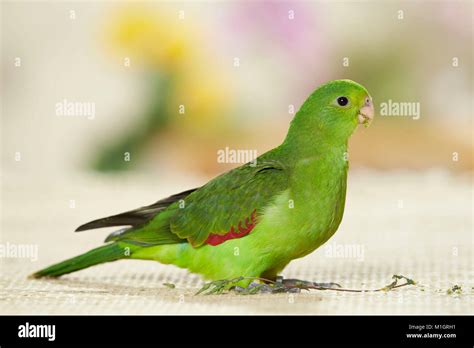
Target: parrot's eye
342 101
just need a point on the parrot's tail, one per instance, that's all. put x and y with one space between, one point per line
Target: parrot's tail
105 253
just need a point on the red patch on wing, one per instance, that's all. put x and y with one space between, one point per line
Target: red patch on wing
216 239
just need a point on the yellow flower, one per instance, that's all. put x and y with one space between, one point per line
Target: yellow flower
153 36
206 97
157 39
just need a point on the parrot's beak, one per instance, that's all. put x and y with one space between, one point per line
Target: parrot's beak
366 112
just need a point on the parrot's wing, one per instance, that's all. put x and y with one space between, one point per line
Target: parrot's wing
230 205
136 217
227 207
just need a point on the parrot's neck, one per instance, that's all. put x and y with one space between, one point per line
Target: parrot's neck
313 145
318 188
313 139
313 163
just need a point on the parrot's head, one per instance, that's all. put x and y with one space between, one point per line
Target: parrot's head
333 111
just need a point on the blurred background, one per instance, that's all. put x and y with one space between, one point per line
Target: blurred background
164 86
238 69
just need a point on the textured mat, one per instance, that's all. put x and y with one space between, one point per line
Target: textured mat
415 224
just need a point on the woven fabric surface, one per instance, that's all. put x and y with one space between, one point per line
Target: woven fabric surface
414 224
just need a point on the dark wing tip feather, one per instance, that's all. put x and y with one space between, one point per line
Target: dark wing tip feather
134 217
111 221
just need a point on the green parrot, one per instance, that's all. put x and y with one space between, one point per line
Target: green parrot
250 222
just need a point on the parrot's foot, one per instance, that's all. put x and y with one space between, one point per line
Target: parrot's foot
283 286
256 288
271 287
219 286
304 284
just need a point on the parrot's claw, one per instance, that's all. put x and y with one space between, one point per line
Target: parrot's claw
327 285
